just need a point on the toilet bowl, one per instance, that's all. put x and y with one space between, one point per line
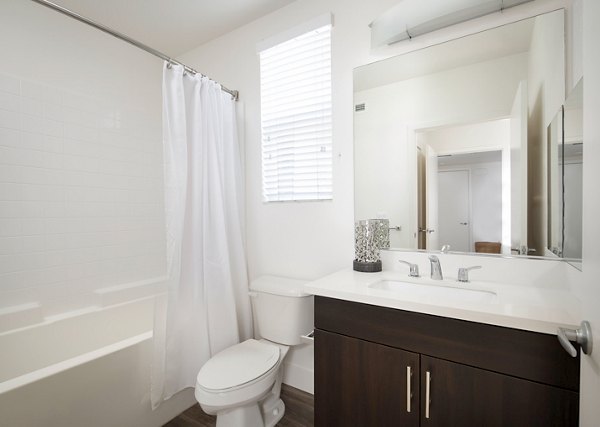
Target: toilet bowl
241 385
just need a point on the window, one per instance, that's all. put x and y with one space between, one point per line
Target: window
296 117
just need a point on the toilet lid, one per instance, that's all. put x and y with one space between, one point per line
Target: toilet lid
238 365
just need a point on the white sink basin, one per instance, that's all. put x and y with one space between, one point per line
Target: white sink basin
427 291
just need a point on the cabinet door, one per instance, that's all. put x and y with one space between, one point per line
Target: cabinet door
359 383
460 395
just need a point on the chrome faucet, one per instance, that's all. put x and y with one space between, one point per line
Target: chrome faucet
436 268
414 268
463 273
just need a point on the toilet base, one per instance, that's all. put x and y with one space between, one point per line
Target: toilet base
272 410
266 414
241 416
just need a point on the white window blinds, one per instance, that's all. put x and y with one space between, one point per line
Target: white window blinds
296 118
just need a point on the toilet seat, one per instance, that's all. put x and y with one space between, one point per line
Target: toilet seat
238 366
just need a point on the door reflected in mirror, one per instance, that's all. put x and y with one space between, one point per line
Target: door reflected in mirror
466 189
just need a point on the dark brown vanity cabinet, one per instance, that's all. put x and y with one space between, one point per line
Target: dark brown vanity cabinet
350 395
377 366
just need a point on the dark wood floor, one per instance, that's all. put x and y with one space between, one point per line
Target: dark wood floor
299 410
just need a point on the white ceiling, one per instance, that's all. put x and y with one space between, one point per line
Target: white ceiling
173 26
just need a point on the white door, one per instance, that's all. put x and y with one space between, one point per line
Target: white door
587 286
432 199
453 210
518 168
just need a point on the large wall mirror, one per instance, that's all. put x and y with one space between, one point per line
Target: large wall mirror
451 141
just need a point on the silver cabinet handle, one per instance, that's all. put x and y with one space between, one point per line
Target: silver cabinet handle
463 223
408 388
427 393
582 336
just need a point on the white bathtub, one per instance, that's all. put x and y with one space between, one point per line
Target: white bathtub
90 367
31 353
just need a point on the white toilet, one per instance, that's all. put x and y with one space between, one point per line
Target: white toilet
241 384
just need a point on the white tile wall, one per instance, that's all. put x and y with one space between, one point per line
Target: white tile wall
81 197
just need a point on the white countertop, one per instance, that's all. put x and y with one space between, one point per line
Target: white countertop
531 308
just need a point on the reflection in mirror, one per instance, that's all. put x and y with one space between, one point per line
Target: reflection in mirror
565 178
572 163
555 176
450 140
460 170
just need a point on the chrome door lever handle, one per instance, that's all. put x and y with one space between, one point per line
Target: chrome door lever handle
582 336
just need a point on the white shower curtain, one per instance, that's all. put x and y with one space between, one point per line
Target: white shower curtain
206 308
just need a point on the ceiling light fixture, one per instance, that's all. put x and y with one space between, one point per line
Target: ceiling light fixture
411 18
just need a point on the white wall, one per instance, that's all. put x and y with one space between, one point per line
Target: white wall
81 199
310 239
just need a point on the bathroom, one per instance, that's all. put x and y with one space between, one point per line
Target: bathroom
83 253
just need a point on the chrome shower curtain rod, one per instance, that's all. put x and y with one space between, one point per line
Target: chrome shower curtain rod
64 11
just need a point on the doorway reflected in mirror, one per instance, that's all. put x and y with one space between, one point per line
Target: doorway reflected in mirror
460 174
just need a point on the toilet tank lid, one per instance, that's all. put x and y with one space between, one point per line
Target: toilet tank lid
279 286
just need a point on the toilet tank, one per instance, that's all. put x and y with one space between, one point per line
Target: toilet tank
282 310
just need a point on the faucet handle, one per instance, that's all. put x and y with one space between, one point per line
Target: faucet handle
414 268
463 273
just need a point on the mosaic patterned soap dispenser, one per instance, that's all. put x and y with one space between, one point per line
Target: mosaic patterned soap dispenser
370 236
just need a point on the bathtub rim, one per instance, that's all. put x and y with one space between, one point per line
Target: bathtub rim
39 374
